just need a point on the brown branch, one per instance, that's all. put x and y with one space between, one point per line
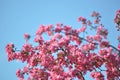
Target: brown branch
82 76
115 48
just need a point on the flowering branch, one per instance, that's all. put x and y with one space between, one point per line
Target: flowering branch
66 49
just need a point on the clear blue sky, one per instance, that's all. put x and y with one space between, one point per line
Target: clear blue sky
20 16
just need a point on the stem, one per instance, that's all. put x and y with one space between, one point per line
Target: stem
82 76
101 69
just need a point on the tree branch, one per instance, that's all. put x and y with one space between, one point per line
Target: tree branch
97 44
82 76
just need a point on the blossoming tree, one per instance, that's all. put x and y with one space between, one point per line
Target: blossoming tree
67 55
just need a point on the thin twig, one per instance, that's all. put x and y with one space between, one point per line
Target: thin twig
82 76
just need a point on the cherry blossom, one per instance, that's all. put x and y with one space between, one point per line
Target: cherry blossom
117 19
119 46
66 54
26 36
82 19
97 75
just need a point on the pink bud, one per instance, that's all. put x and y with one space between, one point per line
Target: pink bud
26 36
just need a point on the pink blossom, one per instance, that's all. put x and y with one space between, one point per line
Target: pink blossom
96 21
10 51
90 38
11 56
103 52
97 75
64 41
98 38
58 27
19 74
92 46
57 36
54 47
117 17
102 31
48 27
9 48
27 47
25 69
40 30
104 44
82 19
39 39
67 28
26 36
38 74
82 29
50 33
85 48
119 46
66 54
95 14
34 60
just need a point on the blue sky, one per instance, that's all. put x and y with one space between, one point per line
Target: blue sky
20 16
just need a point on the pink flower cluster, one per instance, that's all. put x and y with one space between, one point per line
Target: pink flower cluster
97 75
82 19
10 51
97 17
102 31
66 55
119 46
117 19
26 36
